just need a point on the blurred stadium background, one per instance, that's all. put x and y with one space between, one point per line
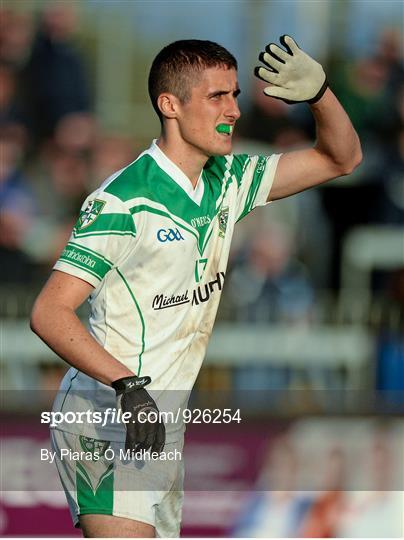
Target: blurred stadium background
312 315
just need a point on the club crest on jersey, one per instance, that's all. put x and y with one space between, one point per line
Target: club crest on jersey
90 214
88 444
223 218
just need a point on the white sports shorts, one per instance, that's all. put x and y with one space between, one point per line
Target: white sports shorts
99 477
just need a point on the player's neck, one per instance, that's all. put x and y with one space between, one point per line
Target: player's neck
186 157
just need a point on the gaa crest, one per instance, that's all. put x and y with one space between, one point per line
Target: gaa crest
223 218
95 446
90 214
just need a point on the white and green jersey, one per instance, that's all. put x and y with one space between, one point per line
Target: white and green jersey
156 251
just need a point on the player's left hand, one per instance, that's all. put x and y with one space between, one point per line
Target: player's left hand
142 432
295 76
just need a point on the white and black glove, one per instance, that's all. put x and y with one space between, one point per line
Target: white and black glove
295 76
141 433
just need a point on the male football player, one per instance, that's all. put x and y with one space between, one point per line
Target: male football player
149 251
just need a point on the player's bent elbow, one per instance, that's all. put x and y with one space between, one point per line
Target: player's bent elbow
356 160
38 317
357 156
34 321
351 163
349 169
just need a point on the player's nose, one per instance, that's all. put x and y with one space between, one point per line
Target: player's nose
237 112
233 110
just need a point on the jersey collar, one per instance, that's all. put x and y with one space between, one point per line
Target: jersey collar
176 174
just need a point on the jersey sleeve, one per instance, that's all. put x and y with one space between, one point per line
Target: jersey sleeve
255 175
101 239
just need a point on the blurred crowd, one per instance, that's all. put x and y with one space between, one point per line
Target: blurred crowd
53 152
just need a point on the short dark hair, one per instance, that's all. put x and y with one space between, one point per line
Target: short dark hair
175 67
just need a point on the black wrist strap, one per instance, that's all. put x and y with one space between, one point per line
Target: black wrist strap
129 384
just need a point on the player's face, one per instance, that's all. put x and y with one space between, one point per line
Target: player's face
213 102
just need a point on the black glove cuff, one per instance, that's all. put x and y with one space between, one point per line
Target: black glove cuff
129 384
320 93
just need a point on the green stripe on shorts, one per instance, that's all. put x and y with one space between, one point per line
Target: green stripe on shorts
94 482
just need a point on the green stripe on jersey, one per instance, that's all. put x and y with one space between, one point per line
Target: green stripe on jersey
202 239
108 223
144 179
147 208
87 259
255 185
238 165
141 319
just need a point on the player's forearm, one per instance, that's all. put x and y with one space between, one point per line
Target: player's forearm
336 136
61 329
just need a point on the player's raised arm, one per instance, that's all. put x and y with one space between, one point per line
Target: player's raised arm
295 77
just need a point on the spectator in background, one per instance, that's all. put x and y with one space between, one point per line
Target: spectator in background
390 343
267 284
17 206
271 121
371 90
61 180
55 77
11 107
76 133
364 87
64 183
111 153
390 52
16 33
69 163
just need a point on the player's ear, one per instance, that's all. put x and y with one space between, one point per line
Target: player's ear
168 105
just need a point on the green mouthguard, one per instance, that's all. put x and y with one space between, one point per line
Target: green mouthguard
224 128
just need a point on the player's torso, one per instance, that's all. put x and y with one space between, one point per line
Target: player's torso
157 309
